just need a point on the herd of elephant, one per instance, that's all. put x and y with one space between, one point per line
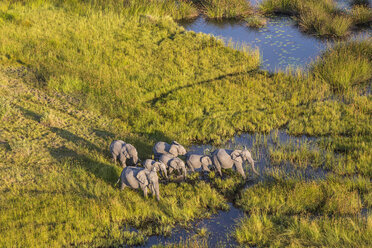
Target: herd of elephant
167 160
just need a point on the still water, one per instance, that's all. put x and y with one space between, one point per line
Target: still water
280 43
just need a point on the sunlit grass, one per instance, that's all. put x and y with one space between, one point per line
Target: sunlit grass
321 18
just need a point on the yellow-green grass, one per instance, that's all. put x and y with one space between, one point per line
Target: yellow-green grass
288 195
263 230
255 21
361 15
321 18
218 9
356 60
285 210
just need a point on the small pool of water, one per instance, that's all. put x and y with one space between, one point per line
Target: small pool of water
280 43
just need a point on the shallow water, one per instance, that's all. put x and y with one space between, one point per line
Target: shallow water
280 43
219 228
259 146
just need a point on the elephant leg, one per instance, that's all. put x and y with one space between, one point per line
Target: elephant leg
190 166
205 168
170 170
122 186
240 170
217 164
145 192
114 158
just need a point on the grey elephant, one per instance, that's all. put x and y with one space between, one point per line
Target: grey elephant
228 159
136 177
195 161
150 164
124 152
174 164
174 149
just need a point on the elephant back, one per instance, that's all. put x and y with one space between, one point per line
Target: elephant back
116 146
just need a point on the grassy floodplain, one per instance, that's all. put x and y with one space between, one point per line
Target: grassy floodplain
75 75
321 17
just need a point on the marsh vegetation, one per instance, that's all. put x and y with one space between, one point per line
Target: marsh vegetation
76 75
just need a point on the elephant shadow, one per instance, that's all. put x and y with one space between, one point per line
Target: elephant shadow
107 172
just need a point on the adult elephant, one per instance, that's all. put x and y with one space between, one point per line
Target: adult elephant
174 164
126 153
174 149
136 177
158 165
228 159
195 161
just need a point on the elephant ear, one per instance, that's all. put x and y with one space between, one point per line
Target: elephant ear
142 177
125 153
174 150
206 160
173 163
235 154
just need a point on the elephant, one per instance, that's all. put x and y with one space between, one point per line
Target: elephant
174 149
195 161
160 166
124 152
136 177
227 159
174 164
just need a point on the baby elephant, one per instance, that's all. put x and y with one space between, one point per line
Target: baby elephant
136 177
195 161
159 166
174 164
124 152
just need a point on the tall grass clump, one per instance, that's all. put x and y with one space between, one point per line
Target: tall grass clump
218 9
345 65
321 18
361 15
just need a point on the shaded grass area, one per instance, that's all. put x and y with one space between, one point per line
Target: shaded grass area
322 18
76 77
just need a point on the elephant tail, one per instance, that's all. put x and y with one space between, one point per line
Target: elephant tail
217 164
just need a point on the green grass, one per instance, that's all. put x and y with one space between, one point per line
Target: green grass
76 75
302 231
345 65
256 21
218 9
321 18
361 14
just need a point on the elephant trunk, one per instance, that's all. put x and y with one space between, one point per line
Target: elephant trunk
252 164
